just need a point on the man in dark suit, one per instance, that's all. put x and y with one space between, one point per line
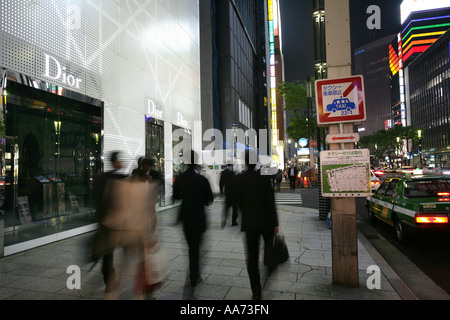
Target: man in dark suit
226 177
195 192
292 174
254 196
103 201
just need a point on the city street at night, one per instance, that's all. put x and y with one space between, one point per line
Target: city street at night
225 158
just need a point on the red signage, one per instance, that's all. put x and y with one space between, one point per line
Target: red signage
340 100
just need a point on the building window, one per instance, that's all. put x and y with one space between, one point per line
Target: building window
245 115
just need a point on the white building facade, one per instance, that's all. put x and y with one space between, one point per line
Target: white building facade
82 78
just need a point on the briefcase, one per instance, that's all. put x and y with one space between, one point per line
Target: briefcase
280 250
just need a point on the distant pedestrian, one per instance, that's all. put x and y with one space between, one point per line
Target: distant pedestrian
225 181
277 178
255 198
292 173
195 192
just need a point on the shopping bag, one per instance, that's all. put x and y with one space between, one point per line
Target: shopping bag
151 272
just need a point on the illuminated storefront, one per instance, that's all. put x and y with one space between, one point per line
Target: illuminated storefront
79 80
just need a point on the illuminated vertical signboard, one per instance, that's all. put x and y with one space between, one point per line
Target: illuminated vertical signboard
396 66
273 31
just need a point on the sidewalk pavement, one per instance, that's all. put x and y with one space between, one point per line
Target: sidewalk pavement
42 273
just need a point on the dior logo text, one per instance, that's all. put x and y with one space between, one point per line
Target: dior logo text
54 71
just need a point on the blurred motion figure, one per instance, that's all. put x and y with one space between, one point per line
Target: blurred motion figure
102 247
195 192
225 181
254 196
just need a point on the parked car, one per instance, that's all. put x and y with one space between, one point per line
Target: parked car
430 170
374 181
379 172
414 206
406 169
409 170
443 171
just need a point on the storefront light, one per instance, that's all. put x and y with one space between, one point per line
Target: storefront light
57 127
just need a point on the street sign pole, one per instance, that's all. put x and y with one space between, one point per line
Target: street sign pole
344 224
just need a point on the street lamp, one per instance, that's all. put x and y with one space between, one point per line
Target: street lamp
398 150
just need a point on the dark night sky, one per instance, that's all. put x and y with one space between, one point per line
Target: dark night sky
296 18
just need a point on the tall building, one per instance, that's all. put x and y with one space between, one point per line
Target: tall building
79 80
423 22
372 62
241 61
235 50
428 94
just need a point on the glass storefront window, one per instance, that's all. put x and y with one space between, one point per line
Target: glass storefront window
155 153
52 150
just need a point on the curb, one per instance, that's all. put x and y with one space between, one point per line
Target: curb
394 279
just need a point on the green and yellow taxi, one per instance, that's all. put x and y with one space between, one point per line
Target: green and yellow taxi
412 205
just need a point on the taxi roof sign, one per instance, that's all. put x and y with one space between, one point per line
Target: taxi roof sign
340 100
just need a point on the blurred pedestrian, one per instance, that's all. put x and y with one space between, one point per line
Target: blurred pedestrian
254 196
132 223
195 192
139 166
226 178
277 179
102 246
